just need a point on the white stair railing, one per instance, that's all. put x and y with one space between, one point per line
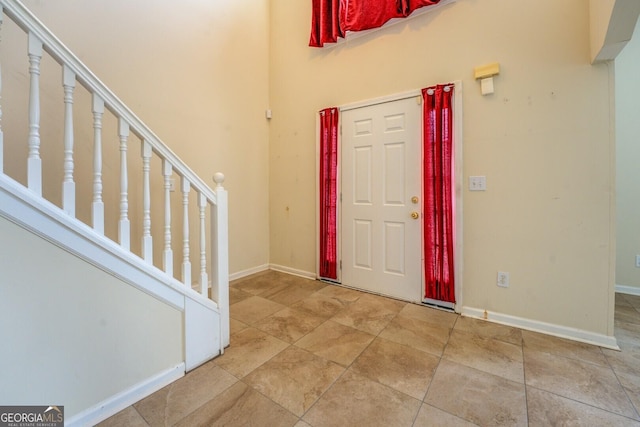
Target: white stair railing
40 41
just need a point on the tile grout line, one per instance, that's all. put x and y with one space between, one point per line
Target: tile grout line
440 358
300 418
597 408
624 389
352 362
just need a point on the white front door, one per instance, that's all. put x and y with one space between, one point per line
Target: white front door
381 190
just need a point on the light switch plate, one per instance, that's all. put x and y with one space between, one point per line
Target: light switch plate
477 183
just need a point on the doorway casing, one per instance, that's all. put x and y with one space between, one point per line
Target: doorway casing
459 180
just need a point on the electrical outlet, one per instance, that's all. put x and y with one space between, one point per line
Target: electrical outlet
503 279
172 185
638 261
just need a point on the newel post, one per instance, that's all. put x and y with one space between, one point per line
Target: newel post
220 256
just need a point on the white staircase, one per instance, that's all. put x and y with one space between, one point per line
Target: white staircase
106 220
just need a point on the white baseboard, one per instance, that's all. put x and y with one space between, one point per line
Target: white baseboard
629 290
543 327
274 267
248 272
116 403
295 272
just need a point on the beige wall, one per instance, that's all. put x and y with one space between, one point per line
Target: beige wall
628 159
194 74
68 326
543 141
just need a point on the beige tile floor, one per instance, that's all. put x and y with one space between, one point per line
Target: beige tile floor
304 353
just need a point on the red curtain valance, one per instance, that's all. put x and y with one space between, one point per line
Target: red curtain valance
325 22
333 18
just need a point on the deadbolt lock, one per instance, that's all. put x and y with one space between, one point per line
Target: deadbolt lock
415 200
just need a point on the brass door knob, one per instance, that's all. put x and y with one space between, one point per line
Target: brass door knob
415 215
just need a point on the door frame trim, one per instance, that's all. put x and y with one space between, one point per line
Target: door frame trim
459 192
380 100
459 187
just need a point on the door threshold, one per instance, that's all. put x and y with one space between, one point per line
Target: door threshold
440 305
330 281
367 291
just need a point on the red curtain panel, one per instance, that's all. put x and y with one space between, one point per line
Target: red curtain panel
359 15
417 4
325 22
438 193
331 19
328 193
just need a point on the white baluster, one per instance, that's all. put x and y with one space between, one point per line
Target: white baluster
220 257
124 228
97 208
186 263
1 135
204 279
34 163
147 243
168 253
68 186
